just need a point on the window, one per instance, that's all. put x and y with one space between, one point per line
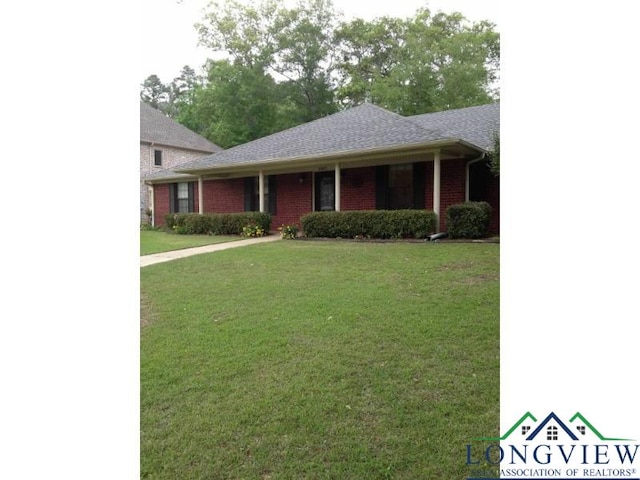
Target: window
252 197
582 429
157 158
552 433
181 197
525 429
400 186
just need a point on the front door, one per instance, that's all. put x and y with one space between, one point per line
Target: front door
325 191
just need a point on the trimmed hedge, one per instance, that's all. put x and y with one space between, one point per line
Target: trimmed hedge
370 224
469 220
216 223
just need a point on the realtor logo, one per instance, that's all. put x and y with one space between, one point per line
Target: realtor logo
553 448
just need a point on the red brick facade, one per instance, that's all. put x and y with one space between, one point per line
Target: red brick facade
294 193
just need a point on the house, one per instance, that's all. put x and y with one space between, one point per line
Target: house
362 158
165 144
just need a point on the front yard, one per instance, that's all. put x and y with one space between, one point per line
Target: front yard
318 360
156 241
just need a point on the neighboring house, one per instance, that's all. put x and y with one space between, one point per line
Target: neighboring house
165 144
363 158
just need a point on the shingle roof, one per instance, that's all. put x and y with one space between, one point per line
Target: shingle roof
360 129
155 127
475 125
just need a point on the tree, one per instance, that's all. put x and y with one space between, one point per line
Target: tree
236 105
293 46
421 64
153 91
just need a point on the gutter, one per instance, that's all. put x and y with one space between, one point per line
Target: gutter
327 160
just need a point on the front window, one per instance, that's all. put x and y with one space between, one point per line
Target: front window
183 198
401 186
157 158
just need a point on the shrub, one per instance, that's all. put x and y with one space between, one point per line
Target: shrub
468 220
252 231
288 231
370 224
216 223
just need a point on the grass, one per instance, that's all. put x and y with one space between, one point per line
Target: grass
155 241
319 360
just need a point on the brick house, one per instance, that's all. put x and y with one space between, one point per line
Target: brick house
362 158
164 145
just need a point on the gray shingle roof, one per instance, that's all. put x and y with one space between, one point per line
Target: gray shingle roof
475 125
360 129
156 127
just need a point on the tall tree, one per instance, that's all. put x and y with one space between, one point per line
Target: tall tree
236 105
421 64
153 91
293 45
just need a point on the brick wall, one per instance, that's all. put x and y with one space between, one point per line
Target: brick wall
223 196
294 199
171 158
358 189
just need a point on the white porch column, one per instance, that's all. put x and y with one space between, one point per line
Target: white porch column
261 190
200 196
151 206
436 187
337 187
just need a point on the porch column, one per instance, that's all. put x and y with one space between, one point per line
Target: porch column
200 196
436 187
151 194
261 190
337 186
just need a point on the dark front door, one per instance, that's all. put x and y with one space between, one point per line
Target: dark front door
325 191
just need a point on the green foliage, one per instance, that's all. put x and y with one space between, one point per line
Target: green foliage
469 220
290 65
494 156
252 231
216 224
148 227
288 231
370 224
418 65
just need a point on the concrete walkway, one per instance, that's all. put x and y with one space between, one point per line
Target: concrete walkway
154 258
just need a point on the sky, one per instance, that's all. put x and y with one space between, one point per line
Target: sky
169 40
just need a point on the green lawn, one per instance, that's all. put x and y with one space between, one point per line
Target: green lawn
319 360
154 241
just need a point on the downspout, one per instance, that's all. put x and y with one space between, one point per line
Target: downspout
466 180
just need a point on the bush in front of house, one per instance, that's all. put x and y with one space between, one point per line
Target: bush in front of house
216 223
469 220
370 224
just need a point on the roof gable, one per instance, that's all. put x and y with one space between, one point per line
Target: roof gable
155 127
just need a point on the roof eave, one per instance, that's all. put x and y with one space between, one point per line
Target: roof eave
313 162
